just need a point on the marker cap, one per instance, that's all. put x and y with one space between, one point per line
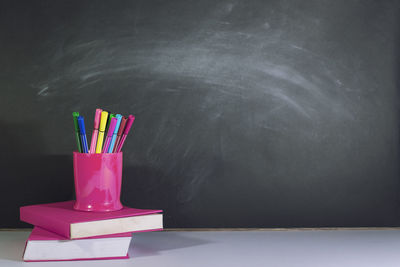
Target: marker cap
113 122
81 124
122 126
97 117
129 123
103 120
118 117
75 116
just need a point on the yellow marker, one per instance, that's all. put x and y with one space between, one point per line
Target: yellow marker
103 122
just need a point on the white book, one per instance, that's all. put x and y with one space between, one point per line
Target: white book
43 245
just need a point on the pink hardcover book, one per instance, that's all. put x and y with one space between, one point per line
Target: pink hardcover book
62 219
43 245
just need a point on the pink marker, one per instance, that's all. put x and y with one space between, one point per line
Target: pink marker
95 131
128 126
110 133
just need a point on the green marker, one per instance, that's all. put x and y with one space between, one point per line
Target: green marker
75 115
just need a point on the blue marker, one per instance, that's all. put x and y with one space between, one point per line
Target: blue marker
114 137
82 132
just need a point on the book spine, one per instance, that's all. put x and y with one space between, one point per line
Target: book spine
46 221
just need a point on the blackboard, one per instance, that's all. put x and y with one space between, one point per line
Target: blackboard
248 113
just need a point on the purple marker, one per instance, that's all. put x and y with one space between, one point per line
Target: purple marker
110 133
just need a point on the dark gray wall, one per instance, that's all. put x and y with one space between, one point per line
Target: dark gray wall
249 113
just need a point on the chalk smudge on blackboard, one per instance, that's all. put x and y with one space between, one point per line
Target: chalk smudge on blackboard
43 90
226 69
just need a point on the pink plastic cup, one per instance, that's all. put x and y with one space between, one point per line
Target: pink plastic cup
98 181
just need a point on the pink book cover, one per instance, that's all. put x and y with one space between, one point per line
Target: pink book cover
58 217
39 233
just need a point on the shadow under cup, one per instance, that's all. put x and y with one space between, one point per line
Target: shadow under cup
98 180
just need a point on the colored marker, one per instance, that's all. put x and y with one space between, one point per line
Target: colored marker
114 137
103 121
95 134
75 116
120 131
110 116
128 126
113 123
82 133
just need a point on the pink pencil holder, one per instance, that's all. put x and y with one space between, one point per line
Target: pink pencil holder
98 180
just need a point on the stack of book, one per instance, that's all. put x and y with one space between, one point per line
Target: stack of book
62 233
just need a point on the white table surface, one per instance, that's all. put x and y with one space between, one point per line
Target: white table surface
378 248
